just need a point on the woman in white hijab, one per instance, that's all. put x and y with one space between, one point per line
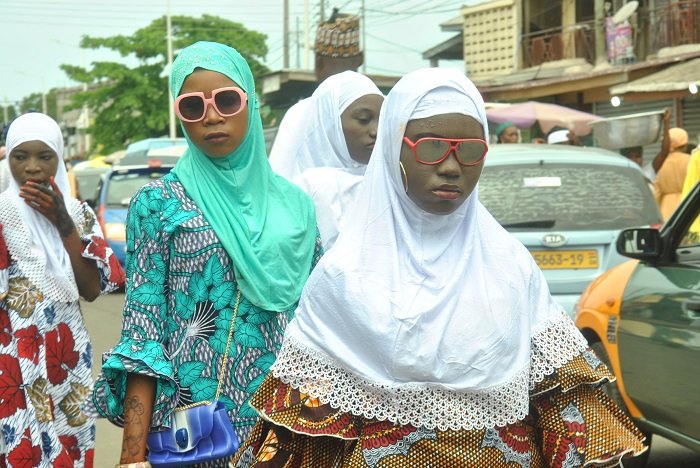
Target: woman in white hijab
427 336
334 147
51 253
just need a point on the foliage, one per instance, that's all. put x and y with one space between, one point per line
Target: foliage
35 102
131 103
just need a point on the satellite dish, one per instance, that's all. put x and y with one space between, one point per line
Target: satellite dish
625 12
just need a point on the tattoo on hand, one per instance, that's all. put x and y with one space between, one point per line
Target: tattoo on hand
64 224
134 431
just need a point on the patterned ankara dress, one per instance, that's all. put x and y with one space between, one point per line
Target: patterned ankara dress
571 423
178 309
46 355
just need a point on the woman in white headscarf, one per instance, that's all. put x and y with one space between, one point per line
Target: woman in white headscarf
427 336
51 253
334 147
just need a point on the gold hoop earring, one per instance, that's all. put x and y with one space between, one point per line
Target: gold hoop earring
404 177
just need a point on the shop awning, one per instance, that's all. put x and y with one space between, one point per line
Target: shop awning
677 77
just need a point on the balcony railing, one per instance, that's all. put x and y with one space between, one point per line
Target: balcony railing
674 24
577 41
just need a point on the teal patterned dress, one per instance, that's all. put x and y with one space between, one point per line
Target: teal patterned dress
180 299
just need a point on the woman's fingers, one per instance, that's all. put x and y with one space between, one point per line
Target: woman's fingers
54 187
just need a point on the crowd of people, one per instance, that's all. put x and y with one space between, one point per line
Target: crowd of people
347 301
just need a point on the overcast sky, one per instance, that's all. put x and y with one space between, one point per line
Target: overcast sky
36 36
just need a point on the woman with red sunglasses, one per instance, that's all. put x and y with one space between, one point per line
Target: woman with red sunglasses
217 253
427 335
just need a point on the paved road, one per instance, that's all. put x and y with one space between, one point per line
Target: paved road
103 319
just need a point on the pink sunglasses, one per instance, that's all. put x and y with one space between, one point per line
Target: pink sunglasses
227 102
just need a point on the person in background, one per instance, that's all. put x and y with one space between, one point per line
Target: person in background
563 136
670 180
221 246
333 151
427 335
337 49
507 132
52 253
636 153
692 177
4 169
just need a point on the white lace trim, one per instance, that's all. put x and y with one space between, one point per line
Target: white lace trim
554 343
30 262
423 405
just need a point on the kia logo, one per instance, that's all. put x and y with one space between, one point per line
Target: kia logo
553 240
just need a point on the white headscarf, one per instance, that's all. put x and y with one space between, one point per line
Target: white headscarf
321 142
421 318
322 165
34 242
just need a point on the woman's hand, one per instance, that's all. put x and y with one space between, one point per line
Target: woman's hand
49 202
4 254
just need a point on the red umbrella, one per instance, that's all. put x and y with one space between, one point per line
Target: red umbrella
525 114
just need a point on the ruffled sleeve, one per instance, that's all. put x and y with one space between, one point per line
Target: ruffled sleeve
95 247
576 420
143 343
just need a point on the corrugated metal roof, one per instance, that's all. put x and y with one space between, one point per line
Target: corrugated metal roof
674 78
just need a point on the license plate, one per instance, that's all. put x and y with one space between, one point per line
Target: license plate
563 259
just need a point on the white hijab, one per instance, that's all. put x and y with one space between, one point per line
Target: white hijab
322 165
321 142
420 318
34 242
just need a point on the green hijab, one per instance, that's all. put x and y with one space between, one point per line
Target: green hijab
266 224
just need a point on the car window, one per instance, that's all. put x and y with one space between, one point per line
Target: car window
87 184
567 197
123 186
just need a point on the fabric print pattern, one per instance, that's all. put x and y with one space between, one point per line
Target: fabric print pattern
179 306
392 440
44 383
512 441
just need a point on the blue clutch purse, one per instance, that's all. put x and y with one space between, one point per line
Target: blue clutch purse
198 432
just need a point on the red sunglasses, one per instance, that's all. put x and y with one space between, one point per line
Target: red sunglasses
434 150
227 102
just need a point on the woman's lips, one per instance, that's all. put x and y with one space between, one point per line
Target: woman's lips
216 137
447 192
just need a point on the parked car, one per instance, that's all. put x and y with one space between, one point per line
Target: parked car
87 175
643 319
137 152
115 190
566 204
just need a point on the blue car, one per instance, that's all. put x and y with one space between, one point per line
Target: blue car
567 205
115 190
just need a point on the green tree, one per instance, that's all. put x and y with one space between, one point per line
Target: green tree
131 103
35 102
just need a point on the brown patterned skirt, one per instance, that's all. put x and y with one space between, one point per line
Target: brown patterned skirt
571 423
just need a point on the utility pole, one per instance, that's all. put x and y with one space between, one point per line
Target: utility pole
285 33
363 25
298 42
307 58
5 110
86 110
171 101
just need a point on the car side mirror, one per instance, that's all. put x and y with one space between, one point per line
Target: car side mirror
639 243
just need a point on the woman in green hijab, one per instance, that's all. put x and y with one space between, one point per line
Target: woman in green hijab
219 239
